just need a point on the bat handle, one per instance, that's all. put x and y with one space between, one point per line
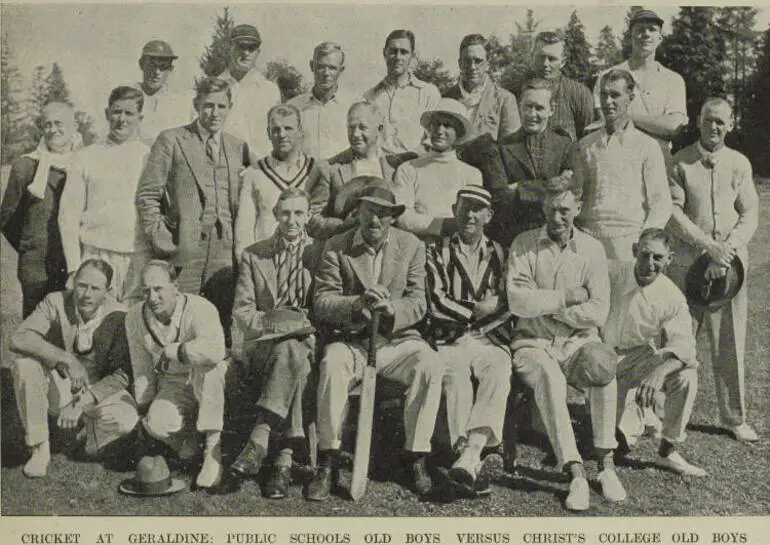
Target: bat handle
371 356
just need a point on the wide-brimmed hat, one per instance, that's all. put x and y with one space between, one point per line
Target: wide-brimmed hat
712 294
453 109
158 48
283 323
379 193
152 479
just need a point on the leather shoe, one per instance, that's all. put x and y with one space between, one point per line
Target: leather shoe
422 481
249 461
320 488
278 485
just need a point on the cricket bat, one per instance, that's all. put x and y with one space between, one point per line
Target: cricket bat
365 417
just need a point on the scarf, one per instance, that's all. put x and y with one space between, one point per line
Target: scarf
45 160
471 99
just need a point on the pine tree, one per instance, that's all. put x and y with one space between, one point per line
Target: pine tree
15 136
288 79
217 54
56 87
757 126
577 51
607 50
433 71
38 95
509 64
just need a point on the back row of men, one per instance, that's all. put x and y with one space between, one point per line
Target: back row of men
203 199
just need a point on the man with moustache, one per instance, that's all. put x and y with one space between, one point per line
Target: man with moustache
177 349
188 197
74 343
363 160
573 105
659 105
270 321
469 324
253 94
622 172
491 109
646 306
716 212
162 108
30 209
530 156
558 287
286 167
374 268
97 216
324 107
402 97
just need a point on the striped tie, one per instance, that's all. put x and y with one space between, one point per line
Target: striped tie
291 289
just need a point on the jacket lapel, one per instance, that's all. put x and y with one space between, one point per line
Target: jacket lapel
266 267
391 261
518 150
359 262
235 165
193 152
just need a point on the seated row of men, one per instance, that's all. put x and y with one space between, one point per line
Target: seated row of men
446 317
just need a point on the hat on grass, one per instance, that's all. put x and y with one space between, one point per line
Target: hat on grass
152 479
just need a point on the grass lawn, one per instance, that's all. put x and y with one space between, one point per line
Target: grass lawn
739 481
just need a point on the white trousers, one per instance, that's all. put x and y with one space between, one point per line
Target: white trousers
543 374
412 363
490 365
186 403
126 270
111 418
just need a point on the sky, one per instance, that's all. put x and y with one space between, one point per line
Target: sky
97 45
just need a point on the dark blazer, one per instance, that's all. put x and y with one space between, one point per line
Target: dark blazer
497 113
31 225
329 222
342 278
170 195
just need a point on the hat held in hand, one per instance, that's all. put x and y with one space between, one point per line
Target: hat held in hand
152 479
713 294
283 323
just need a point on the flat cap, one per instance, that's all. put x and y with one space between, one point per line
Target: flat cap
245 33
645 15
158 48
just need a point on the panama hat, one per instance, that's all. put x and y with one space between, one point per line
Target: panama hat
152 479
453 109
712 294
379 193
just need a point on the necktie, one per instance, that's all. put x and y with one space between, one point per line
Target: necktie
211 149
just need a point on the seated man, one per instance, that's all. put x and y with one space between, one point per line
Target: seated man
427 185
559 288
374 268
364 158
177 351
646 305
271 299
467 320
79 335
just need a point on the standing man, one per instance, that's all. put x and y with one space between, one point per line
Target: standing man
573 105
716 211
272 299
177 349
188 197
363 159
30 210
253 94
491 109
530 156
97 217
325 106
374 268
286 167
74 341
559 288
622 172
646 306
427 186
468 322
659 106
162 108
401 97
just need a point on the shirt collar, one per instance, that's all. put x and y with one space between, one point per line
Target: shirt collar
313 99
413 82
281 244
712 154
620 133
163 91
543 238
358 240
205 134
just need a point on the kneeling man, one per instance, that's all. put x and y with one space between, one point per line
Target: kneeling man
467 321
177 350
375 268
271 326
79 335
645 306
559 288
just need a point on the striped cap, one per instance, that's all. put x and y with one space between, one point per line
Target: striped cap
477 193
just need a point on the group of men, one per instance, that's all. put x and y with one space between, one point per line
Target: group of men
496 237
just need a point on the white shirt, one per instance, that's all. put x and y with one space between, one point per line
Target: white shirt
253 96
325 124
164 110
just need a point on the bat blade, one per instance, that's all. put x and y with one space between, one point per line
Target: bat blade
364 434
